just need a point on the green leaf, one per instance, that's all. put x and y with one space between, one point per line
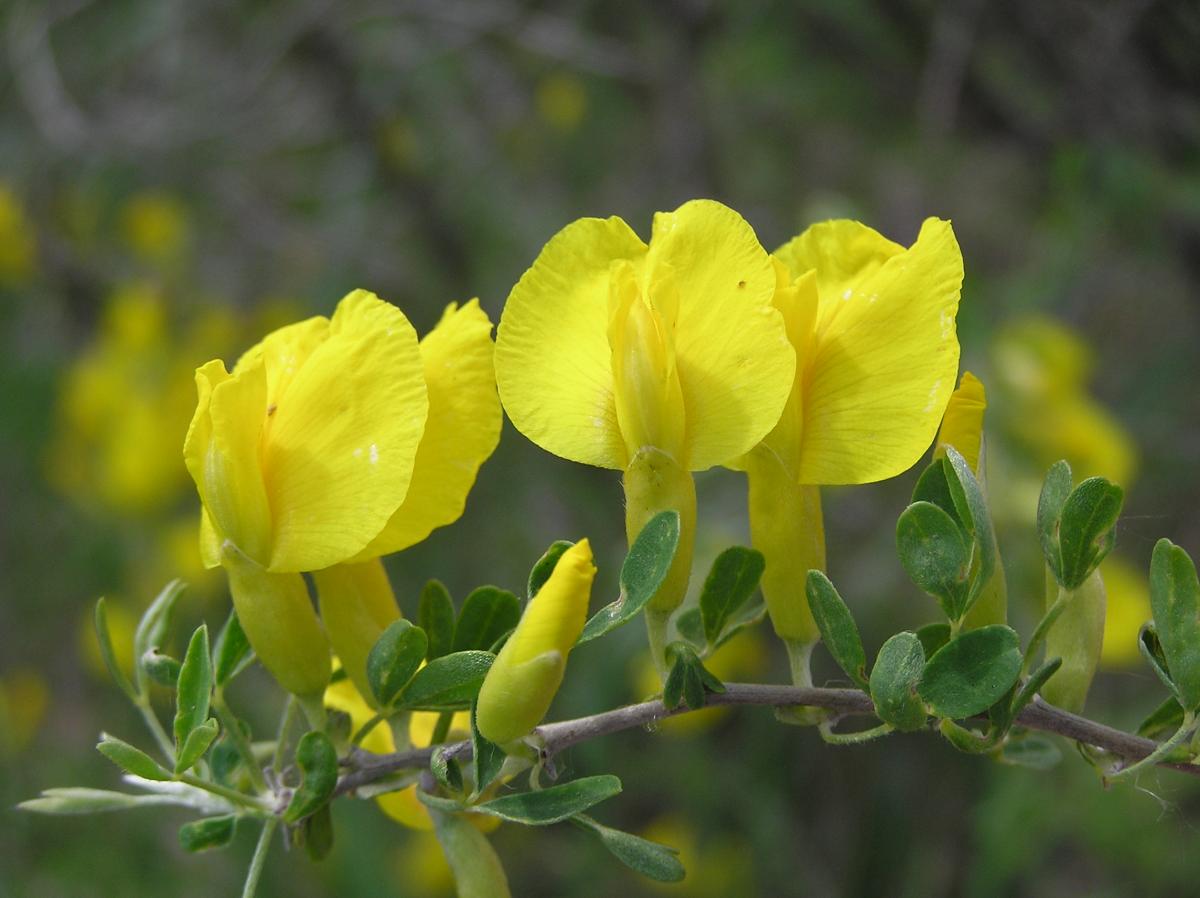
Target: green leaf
395 657
130 759
78 800
730 582
688 680
935 553
486 757
1055 490
1175 602
1163 721
545 566
894 681
654 861
487 614
212 832
552 804
691 627
933 637
151 632
972 672
1086 529
196 744
643 572
837 627
194 689
435 616
161 669
1035 752
1151 650
231 653
449 683
977 521
318 763
106 651
318 834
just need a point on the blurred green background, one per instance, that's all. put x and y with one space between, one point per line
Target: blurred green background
176 178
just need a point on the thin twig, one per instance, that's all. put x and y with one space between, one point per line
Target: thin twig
365 767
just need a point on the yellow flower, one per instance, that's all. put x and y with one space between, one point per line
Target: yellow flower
873 326
525 676
461 432
301 456
656 359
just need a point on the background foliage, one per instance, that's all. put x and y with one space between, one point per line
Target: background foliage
179 177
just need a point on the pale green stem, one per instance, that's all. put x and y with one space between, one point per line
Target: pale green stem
800 658
260 857
861 736
234 731
656 630
1181 736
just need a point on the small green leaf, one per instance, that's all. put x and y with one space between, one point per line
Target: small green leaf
130 759
1035 752
1163 721
730 582
1175 602
196 744
691 627
1055 490
1152 651
79 800
643 572
106 651
231 653
318 834
194 689
395 657
933 637
837 627
552 804
151 632
435 616
318 763
972 672
486 757
654 861
545 566
486 615
161 669
212 832
688 680
449 683
894 681
1086 529
935 553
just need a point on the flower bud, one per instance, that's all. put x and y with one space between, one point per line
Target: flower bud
525 676
279 620
1078 638
357 605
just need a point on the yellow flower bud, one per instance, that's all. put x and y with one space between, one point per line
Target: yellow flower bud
279 620
525 676
357 605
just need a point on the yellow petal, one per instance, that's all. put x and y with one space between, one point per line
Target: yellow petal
962 425
553 360
884 353
731 350
342 433
461 431
221 452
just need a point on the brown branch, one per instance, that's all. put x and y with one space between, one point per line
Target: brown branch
366 767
